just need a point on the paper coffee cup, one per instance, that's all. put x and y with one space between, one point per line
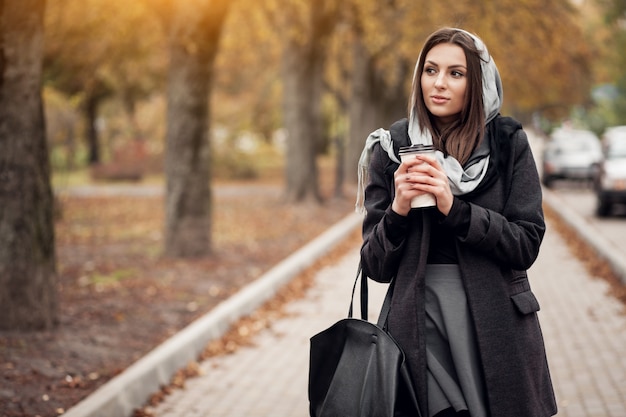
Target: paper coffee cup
406 152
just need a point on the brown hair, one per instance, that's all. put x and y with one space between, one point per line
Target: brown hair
461 137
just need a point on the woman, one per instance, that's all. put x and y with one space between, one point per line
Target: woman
462 307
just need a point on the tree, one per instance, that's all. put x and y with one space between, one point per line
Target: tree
247 85
533 82
616 42
100 49
76 49
193 44
27 250
305 26
380 71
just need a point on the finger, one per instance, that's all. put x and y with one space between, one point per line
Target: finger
426 158
431 160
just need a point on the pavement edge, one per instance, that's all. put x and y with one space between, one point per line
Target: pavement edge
589 234
133 387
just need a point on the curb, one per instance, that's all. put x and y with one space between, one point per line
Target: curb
133 387
581 226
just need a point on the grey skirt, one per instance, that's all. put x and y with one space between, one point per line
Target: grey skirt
455 377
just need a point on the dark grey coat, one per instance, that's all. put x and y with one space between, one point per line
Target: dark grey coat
506 227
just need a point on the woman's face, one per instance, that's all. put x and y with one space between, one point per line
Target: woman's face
444 82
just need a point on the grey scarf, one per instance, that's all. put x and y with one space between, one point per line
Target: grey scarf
462 180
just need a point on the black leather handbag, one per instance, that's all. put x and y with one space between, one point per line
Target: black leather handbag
357 369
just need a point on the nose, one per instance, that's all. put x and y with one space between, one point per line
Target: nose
440 81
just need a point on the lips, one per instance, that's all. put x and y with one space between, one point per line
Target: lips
439 99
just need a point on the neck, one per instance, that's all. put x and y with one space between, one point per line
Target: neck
443 123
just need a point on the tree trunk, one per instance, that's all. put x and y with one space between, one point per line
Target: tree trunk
373 104
303 72
194 39
27 253
363 113
301 124
93 141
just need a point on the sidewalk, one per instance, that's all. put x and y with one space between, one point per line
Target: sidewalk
584 329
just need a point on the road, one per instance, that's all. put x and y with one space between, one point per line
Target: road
580 198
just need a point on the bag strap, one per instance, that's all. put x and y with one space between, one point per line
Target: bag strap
384 311
364 294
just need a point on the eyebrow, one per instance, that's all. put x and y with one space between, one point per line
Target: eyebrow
451 66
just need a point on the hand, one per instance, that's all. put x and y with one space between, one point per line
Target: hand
418 176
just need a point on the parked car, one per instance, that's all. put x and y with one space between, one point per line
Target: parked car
610 182
571 154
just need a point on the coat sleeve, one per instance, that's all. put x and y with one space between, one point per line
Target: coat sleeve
384 231
511 236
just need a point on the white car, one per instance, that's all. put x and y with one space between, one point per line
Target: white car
571 154
610 183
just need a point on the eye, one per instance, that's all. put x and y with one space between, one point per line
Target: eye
430 70
457 74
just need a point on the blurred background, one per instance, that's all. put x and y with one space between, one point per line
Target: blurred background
185 95
158 155
106 72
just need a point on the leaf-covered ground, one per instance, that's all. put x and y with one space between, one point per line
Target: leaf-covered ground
119 297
